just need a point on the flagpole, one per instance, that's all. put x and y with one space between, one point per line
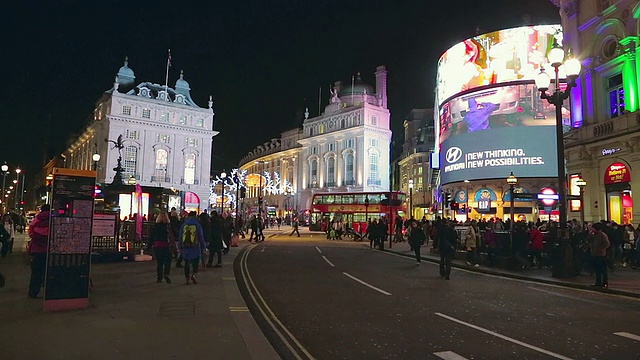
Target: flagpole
319 100
352 85
166 78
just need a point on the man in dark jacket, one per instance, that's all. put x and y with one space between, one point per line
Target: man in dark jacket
447 240
216 244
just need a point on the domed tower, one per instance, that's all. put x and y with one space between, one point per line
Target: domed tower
182 86
126 77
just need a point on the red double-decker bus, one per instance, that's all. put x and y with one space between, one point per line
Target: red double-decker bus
355 208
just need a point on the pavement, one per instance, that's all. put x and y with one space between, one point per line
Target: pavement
132 317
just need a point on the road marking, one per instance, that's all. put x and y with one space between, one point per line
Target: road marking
327 260
238 308
320 251
449 355
628 335
229 279
503 337
365 284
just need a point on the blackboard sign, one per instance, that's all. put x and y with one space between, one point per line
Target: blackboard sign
69 253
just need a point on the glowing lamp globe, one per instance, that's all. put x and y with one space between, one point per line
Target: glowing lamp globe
542 80
555 56
572 68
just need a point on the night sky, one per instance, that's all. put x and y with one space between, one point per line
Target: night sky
262 60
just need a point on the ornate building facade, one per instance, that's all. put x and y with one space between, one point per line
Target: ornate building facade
345 149
165 138
604 150
417 178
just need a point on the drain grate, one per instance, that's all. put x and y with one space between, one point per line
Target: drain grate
177 308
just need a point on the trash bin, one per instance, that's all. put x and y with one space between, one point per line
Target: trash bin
562 263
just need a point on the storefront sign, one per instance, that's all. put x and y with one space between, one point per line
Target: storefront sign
610 151
617 173
548 196
484 206
69 252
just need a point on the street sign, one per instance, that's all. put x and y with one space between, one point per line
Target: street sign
524 196
548 197
573 197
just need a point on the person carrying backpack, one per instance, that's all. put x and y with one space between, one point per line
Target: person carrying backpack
191 243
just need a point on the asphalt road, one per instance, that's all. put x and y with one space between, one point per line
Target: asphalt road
320 299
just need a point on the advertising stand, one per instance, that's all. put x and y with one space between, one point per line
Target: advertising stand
69 252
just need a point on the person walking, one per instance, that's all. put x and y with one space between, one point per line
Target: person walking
296 224
599 243
253 224
447 245
191 246
39 234
416 238
471 242
227 232
6 237
161 239
537 245
216 244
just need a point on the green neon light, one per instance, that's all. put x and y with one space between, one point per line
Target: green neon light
630 84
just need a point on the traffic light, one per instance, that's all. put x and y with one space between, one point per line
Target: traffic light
243 192
447 199
455 206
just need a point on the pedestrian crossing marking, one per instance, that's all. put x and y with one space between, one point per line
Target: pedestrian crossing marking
238 308
449 355
628 335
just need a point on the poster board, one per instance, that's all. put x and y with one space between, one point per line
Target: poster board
69 250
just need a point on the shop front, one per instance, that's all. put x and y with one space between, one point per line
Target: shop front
619 198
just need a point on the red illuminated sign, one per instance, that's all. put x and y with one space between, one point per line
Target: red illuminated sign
617 173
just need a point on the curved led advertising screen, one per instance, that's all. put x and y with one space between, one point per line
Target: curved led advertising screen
490 127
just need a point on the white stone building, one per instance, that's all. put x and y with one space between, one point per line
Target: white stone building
166 138
346 148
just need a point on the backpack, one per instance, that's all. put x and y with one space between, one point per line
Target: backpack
189 236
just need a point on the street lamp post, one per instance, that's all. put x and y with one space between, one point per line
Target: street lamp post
15 193
563 264
410 198
5 169
512 181
572 68
95 158
366 213
581 184
223 176
466 196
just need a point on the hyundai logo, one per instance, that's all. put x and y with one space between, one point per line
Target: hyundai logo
453 154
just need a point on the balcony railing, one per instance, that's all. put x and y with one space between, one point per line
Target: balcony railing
373 182
313 186
160 179
330 184
195 182
348 182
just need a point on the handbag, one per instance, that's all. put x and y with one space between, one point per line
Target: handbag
171 240
235 241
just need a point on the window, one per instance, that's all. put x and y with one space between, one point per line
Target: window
199 122
616 96
191 142
161 165
146 113
130 161
343 123
132 134
348 161
348 143
310 131
163 138
420 170
321 128
331 147
126 110
164 117
374 142
313 174
314 150
374 121
331 171
183 119
190 168
373 166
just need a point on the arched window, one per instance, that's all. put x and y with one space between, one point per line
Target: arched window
130 163
373 168
348 169
190 168
331 171
160 172
313 173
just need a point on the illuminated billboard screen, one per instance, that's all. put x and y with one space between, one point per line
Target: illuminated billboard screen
498 57
487 129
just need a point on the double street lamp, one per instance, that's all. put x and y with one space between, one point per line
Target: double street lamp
5 170
410 198
557 58
223 177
